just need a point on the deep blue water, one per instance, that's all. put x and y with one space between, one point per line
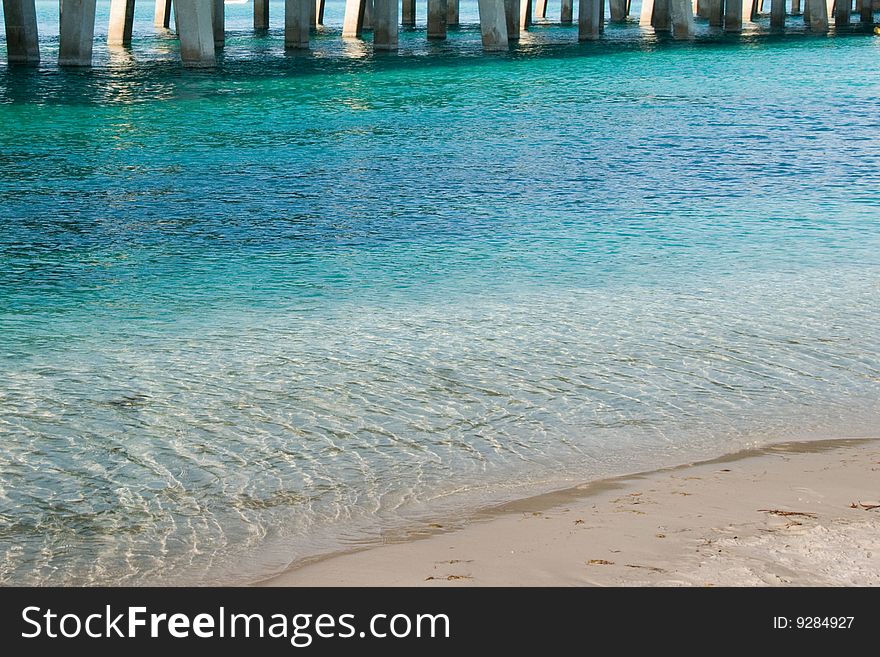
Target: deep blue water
251 315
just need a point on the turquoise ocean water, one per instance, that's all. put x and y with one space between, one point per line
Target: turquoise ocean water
253 315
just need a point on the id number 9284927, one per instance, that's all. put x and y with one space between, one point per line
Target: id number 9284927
813 622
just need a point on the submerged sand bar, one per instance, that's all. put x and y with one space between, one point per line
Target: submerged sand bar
789 514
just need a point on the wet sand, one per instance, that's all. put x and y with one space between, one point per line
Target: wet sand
790 514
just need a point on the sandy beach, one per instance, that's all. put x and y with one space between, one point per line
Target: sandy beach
790 514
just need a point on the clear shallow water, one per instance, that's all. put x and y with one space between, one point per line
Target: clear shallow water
253 315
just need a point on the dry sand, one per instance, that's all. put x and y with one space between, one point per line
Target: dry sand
781 515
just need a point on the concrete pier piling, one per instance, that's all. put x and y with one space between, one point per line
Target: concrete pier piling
162 14
76 32
297 24
733 15
511 15
218 21
493 24
777 14
453 13
201 23
682 14
261 14
437 11
195 24
818 16
385 25
646 17
566 12
408 12
751 10
353 21
715 12
662 21
22 39
368 15
525 14
589 19
121 23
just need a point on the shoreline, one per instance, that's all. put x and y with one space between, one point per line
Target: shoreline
774 515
